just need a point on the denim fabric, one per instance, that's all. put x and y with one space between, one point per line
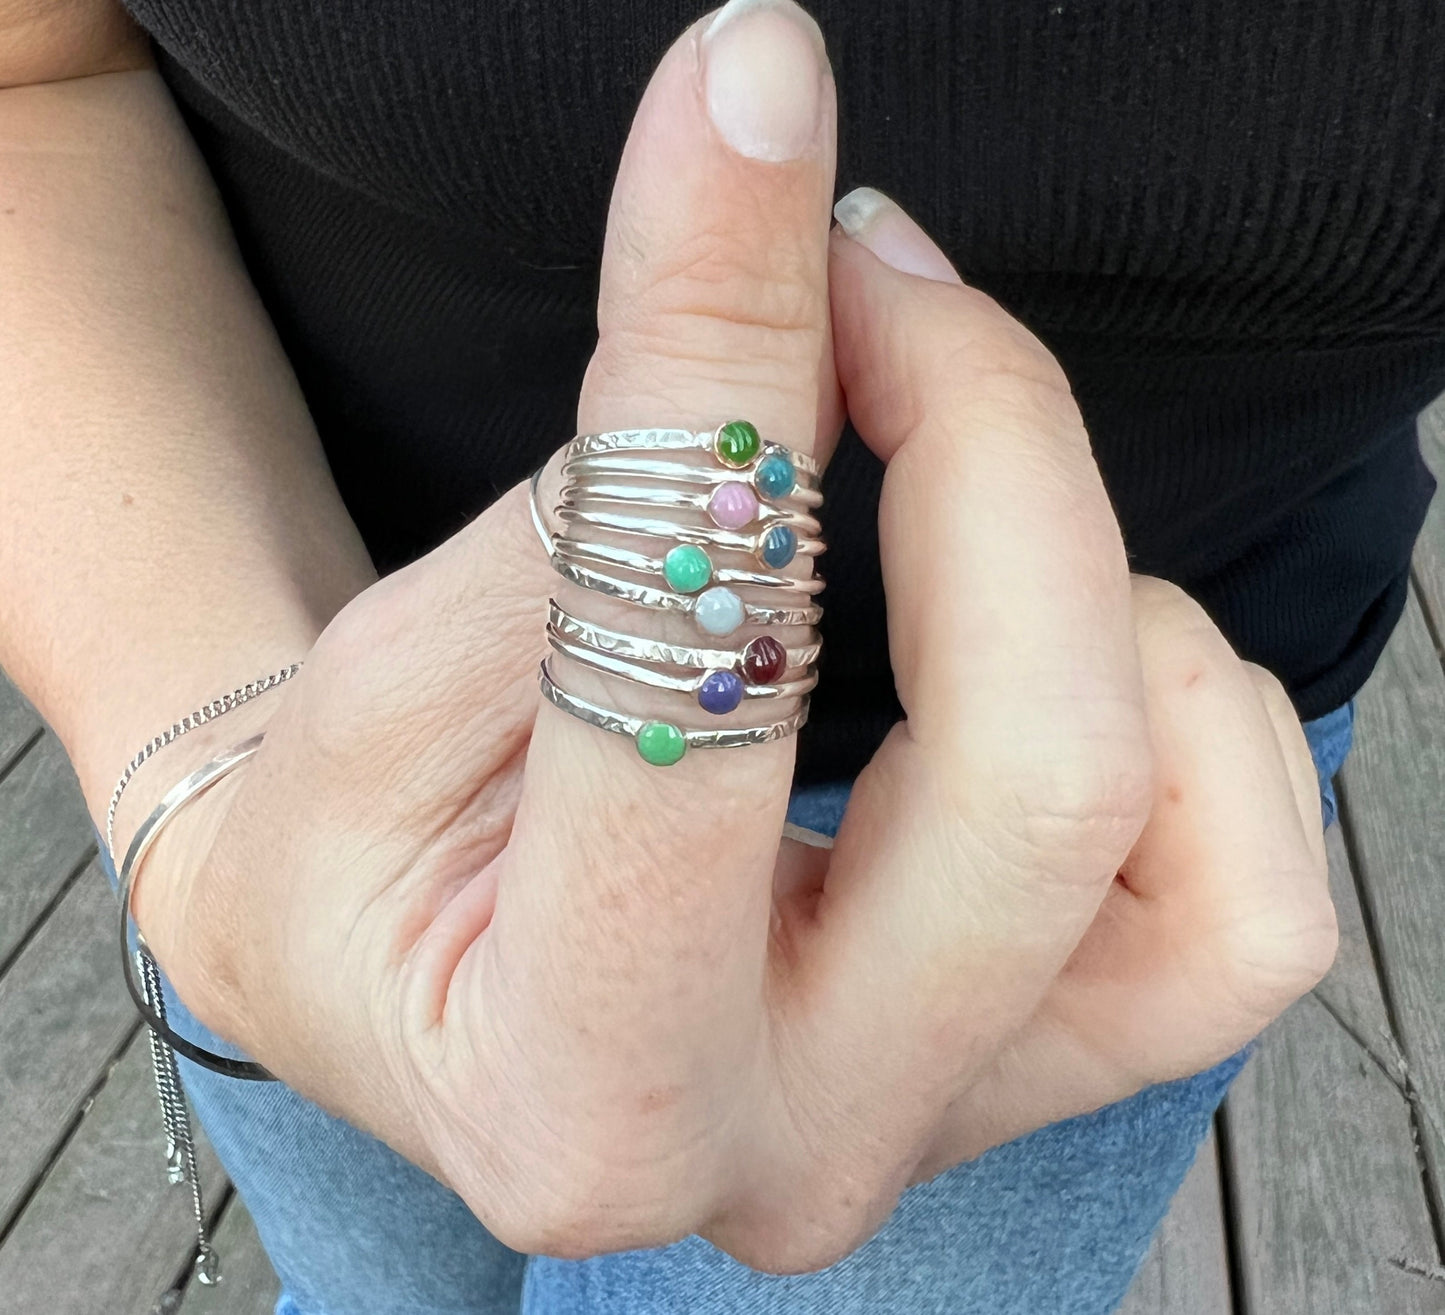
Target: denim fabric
1330 738
1054 1223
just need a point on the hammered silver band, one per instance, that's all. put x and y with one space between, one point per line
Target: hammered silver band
671 440
620 723
612 463
580 553
665 600
734 513
654 650
652 528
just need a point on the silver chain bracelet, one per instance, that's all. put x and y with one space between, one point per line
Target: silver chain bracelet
147 990
208 712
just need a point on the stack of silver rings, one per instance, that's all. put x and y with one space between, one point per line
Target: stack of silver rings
710 525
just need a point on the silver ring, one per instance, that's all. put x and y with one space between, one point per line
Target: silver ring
654 650
587 495
702 535
665 600
639 675
676 440
751 498
580 552
639 728
610 463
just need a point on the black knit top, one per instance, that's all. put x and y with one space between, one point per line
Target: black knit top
1225 217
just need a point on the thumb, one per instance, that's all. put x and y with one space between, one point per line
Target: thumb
713 306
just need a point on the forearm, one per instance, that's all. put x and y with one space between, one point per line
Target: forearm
168 526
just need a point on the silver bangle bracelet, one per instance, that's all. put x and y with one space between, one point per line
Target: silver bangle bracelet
180 794
206 713
148 993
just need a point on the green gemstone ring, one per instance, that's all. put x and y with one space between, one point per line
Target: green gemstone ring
660 743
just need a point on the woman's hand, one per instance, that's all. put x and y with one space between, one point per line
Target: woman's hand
601 1000
1219 916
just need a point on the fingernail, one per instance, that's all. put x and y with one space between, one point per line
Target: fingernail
880 224
763 77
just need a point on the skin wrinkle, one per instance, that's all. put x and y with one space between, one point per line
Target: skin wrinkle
625 955
591 1174
702 272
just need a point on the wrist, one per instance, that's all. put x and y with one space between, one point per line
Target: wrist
165 882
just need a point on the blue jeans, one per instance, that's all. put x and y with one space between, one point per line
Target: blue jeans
1054 1223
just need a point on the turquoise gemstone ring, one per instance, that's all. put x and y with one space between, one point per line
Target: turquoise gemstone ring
733 519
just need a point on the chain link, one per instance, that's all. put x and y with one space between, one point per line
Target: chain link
212 710
180 1142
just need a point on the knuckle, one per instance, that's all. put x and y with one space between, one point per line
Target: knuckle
1271 688
1179 644
1019 391
1272 957
1075 803
997 366
1086 803
563 1227
575 1206
795 1250
814 1230
1279 706
997 342
670 361
716 298
1168 618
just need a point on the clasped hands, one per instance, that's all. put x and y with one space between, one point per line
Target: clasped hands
604 1002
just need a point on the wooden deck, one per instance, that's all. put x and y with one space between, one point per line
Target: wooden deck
1320 1192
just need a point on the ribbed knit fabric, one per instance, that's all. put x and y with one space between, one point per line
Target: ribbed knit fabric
1226 218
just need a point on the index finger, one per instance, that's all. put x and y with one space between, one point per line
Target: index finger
979 841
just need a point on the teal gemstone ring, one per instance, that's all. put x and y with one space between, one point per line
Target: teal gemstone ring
687 567
733 519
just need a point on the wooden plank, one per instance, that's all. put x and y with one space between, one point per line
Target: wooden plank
1322 1173
1430 548
1393 797
18 721
63 1014
106 1231
1187 1269
248 1284
45 835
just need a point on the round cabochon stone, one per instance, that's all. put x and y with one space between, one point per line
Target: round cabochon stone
720 692
779 547
764 660
733 505
719 611
661 743
737 443
775 476
687 568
